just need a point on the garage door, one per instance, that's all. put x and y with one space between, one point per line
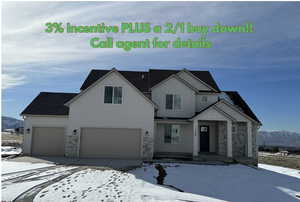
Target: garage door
110 143
48 141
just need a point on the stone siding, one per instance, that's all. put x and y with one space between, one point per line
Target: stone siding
222 138
254 143
147 147
239 139
71 145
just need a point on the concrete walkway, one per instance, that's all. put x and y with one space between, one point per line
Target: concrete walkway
119 164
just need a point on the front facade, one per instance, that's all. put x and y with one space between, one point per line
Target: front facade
140 115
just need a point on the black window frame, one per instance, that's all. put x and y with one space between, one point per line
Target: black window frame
111 93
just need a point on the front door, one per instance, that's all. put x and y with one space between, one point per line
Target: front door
204 138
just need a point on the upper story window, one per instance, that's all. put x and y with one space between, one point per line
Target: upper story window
113 95
173 101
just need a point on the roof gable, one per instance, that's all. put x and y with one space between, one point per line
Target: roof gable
239 101
138 78
101 79
175 76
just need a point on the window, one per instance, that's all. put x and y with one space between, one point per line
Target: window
177 102
113 95
169 101
172 134
204 99
203 129
173 101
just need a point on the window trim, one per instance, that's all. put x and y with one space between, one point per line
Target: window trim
173 102
113 94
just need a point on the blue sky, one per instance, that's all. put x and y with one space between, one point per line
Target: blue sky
263 66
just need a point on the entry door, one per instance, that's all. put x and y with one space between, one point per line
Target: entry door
204 138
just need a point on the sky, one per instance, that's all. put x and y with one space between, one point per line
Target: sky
263 66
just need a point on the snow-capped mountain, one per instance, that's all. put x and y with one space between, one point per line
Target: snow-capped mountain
278 138
9 123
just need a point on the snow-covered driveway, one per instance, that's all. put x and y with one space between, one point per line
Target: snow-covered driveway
200 183
25 180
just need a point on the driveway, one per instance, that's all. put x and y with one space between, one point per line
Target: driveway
24 185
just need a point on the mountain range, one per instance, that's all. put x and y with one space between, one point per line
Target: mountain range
278 138
10 123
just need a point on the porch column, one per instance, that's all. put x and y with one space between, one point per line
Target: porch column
195 138
229 138
249 139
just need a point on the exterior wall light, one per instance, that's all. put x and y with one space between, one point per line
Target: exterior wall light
28 130
74 132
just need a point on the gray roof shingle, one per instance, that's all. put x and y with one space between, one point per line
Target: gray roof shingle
145 80
48 103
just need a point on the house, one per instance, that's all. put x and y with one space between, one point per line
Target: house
141 114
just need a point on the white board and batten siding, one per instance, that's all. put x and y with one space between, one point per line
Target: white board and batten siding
90 111
174 86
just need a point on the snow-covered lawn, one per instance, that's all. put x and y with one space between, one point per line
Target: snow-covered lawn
7 150
282 170
10 167
111 185
229 183
205 183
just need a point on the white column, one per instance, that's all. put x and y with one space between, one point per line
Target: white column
229 139
249 139
196 138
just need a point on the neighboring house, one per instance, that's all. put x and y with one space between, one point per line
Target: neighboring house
137 115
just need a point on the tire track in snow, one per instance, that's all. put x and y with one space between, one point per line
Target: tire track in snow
29 194
24 176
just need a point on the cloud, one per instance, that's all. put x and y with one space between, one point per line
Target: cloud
9 81
29 51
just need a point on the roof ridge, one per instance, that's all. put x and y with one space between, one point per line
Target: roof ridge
119 70
56 92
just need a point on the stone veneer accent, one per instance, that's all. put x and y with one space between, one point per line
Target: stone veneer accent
147 146
254 144
71 145
222 138
239 139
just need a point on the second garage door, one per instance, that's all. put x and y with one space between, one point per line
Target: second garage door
48 141
110 143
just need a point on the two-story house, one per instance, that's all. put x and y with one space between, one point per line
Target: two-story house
141 114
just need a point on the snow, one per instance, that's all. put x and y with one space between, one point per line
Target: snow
111 185
7 150
229 183
10 167
205 183
12 189
282 170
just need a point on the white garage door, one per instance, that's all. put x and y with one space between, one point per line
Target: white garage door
48 141
110 143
